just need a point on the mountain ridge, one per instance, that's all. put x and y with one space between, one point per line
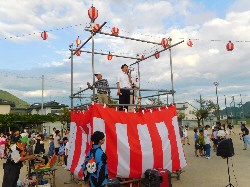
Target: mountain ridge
19 103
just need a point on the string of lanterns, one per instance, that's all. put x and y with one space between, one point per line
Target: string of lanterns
42 33
93 15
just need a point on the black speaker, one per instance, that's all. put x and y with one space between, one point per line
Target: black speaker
225 148
152 178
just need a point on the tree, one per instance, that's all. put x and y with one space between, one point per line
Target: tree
206 107
16 120
65 116
154 101
180 116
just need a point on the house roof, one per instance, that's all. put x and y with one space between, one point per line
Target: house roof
178 107
51 104
4 102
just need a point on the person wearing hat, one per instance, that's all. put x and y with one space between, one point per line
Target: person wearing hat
14 163
103 92
124 82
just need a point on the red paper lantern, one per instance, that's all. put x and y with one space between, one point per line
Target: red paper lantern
109 56
230 46
115 31
142 57
44 35
164 42
96 27
78 52
157 55
93 13
190 43
78 41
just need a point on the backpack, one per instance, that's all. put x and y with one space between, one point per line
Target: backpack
61 149
89 166
90 163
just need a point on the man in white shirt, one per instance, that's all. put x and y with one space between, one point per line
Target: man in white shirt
123 84
207 141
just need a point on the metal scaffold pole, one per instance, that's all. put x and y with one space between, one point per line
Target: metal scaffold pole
93 55
71 60
171 68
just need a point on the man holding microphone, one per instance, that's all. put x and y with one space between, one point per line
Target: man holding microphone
123 85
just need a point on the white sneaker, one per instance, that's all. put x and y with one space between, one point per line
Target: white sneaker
64 165
208 158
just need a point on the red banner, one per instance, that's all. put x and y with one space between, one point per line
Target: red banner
134 143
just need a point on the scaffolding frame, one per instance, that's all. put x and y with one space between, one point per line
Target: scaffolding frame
138 61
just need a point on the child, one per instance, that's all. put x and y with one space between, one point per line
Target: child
196 143
215 138
51 147
2 145
201 143
207 141
61 153
185 135
66 143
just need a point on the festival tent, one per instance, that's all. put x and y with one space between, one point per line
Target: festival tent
134 142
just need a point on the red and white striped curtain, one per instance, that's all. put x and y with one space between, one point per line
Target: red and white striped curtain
134 142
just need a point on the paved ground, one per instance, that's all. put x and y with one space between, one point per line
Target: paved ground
199 172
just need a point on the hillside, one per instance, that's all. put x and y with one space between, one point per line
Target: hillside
238 111
19 103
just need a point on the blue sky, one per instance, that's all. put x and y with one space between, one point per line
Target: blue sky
25 59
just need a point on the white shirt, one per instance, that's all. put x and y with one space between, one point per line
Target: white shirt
206 137
215 134
185 133
221 133
15 155
56 138
123 79
24 134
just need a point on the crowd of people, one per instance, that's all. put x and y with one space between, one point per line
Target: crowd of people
17 147
204 137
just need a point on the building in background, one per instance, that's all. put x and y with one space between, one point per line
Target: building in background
5 106
190 119
51 107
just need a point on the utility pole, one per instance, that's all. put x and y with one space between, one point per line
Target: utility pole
241 106
42 94
226 107
202 121
234 110
218 110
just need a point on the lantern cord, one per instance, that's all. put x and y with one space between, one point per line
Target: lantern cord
169 47
51 30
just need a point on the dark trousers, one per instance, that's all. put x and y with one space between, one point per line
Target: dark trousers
65 160
124 98
11 175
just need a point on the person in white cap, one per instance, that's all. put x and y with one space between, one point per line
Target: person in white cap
103 92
